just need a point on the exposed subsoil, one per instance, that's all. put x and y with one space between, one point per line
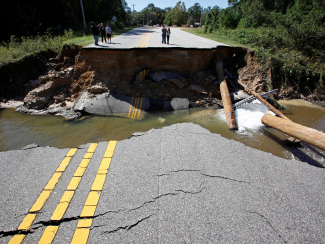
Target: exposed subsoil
61 81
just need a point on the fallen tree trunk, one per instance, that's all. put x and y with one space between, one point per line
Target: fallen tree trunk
262 100
227 106
311 136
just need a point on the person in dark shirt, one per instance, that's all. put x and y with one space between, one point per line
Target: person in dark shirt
102 32
164 33
95 31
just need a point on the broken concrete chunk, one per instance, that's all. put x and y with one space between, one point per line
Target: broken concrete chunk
113 105
179 83
238 95
30 146
97 89
198 89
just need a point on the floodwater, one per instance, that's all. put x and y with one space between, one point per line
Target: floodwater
18 130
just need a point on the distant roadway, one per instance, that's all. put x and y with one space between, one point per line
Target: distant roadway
151 37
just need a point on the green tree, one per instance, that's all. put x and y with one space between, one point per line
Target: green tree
177 16
195 12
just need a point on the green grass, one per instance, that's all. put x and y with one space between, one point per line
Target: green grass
18 48
269 43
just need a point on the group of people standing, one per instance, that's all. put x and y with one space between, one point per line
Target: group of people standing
95 29
165 34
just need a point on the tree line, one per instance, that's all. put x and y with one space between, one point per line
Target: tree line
178 15
38 17
302 21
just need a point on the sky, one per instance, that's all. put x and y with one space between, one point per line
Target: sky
140 4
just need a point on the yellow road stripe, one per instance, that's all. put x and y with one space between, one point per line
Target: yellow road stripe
135 109
40 201
92 148
130 107
17 239
140 107
27 222
111 146
80 236
53 181
88 155
148 37
72 152
84 163
84 223
70 190
65 162
98 182
83 227
59 211
93 198
105 164
74 182
67 196
88 211
79 172
45 194
144 39
108 154
49 234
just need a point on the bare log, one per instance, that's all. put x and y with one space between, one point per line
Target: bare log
311 136
262 100
227 106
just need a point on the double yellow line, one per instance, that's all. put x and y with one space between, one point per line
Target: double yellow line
135 107
83 228
144 39
141 76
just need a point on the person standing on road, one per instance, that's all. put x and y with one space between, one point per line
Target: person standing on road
109 34
102 32
168 35
95 31
164 33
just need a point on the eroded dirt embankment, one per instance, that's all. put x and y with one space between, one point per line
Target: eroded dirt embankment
57 84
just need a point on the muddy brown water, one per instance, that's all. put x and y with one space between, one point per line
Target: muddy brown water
18 130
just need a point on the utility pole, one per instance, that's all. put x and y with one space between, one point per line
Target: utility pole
94 10
133 11
83 14
201 17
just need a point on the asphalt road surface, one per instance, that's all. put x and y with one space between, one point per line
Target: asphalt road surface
151 37
178 184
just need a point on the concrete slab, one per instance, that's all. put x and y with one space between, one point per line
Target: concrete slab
113 105
125 106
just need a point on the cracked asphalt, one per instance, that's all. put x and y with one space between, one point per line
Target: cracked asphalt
178 184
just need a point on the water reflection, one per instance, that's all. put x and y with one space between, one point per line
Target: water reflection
18 130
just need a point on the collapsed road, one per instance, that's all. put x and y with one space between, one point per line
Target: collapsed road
165 76
177 184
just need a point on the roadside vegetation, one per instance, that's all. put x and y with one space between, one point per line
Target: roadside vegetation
17 48
38 25
288 37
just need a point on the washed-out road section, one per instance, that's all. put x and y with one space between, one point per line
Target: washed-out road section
178 184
